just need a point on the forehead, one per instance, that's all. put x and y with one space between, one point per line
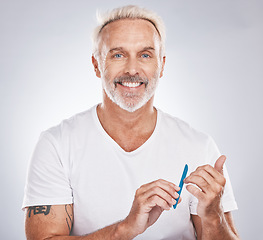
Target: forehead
129 31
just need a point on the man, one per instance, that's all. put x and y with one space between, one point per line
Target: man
85 172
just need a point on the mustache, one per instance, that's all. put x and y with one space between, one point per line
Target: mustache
132 79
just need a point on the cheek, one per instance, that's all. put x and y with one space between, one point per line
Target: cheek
152 70
113 70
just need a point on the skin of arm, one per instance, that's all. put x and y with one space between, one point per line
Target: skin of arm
226 228
55 222
211 222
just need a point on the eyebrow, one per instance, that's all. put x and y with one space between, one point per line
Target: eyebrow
121 49
148 49
116 49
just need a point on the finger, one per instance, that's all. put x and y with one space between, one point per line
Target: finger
218 177
195 191
178 200
201 172
206 183
169 187
199 181
220 163
215 175
157 201
164 183
156 190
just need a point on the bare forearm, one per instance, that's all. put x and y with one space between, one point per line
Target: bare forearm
117 231
56 221
218 229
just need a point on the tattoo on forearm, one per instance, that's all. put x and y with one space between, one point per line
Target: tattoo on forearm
69 218
39 210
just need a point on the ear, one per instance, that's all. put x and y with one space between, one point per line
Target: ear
163 63
96 66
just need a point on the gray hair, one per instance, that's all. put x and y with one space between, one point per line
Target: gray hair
130 12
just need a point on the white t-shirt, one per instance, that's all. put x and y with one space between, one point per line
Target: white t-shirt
78 162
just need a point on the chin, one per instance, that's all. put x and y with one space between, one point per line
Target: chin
127 102
130 109
132 106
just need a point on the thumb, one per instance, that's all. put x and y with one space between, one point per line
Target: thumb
220 163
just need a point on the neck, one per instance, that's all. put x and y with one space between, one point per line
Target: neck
127 127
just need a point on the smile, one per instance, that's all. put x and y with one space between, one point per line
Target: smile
131 84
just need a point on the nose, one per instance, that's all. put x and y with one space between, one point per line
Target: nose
132 66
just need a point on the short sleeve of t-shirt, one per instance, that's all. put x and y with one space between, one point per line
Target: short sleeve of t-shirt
47 181
228 200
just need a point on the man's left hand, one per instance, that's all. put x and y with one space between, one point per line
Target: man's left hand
210 182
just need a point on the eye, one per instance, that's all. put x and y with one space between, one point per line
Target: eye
118 55
145 55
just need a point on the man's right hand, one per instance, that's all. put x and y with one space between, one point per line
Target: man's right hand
150 201
55 222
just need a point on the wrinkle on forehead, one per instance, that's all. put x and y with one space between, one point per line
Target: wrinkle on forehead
112 29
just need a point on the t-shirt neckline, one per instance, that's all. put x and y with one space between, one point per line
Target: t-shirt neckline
115 144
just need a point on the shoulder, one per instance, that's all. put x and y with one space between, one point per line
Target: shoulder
183 130
74 125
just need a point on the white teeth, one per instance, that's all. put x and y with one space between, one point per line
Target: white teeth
130 84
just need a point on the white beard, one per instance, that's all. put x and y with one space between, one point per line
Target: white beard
127 100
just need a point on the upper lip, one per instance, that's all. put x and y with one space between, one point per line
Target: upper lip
122 83
130 79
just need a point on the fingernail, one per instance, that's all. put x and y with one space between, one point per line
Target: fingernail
176 189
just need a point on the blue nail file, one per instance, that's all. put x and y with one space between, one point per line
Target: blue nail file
181 184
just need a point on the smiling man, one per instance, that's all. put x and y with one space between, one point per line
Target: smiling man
131 62
111 171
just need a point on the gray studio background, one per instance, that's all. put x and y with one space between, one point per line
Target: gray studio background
212 80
